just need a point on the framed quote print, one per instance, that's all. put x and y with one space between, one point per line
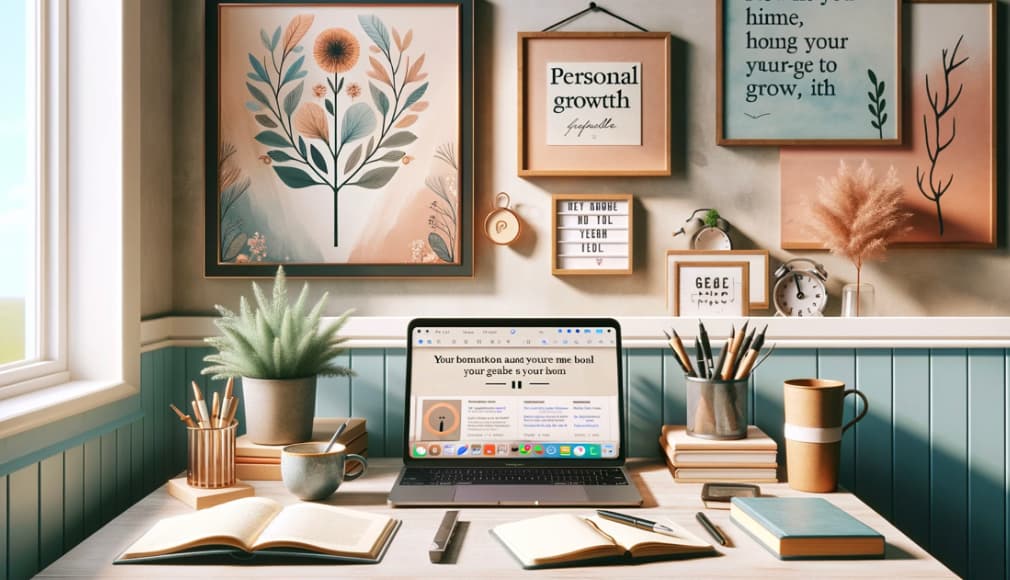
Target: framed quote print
592 234
594 104
339 138
758 269
808 72
947 166
711 289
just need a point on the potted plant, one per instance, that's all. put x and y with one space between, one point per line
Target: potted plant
278 350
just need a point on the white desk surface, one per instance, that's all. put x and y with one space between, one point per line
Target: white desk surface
480 555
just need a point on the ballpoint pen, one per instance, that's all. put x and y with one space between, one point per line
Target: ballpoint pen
707 350
699 355
710 528
635 522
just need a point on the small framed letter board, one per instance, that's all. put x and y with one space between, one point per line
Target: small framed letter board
711 289
339 138
594 103
823 72
591 234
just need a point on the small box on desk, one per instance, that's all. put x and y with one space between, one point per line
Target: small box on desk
200 498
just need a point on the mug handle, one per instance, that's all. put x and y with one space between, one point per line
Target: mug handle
866 407
358 473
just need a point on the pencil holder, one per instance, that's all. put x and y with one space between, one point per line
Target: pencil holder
716 409
211 456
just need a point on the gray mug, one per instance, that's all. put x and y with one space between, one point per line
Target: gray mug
313 475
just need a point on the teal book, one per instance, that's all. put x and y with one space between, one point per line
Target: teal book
805 527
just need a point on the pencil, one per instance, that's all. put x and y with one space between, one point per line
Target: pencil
229 388
182 416
681 353
199 416
745 366
231 411
196 391
215 410
742 351
717 371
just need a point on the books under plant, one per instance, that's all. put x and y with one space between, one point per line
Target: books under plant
805 527
727 474
263 528
254 462
570 539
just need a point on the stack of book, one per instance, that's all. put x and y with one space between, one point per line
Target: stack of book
695 460
263 462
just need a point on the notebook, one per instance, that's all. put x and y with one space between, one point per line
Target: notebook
806 527
255 528
568 539
756 450
514 412
727 474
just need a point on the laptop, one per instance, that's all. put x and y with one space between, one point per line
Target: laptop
514 412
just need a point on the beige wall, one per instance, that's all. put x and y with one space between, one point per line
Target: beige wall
156 157
742 182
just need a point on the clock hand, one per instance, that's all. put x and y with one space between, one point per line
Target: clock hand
799 293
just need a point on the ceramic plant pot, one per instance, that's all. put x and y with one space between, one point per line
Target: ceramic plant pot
279 411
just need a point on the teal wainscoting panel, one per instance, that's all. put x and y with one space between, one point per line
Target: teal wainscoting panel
645 401
137 458
674 391
768 381
873 432
92 485
23 522
124 467
178 386
158 410
51 488
148 384
4 526
73 496
949 453
910 511
986 491
840 365
368 396
333 394
396 383
109 477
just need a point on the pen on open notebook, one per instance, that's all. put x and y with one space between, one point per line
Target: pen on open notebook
636 522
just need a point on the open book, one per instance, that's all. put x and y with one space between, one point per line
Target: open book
567 539
262 526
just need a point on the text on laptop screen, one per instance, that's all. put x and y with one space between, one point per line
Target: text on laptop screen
514 392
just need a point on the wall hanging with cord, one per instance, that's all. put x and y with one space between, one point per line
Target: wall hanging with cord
502 226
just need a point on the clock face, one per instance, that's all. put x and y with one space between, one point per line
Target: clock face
709 238
800 294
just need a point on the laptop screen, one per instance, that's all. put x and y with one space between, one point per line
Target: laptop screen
514 392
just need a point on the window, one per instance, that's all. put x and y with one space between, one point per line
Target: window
20 194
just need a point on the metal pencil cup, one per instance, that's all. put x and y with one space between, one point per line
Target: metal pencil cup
717 409
211 459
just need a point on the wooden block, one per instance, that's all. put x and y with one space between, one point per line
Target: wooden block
199 498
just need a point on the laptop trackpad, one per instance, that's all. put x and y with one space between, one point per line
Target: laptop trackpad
521 494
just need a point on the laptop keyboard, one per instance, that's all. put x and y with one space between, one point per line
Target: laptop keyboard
513 476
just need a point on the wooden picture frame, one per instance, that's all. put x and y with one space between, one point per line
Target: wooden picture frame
759 268
598 228
711 289
767 53
326 152
968 209
553 142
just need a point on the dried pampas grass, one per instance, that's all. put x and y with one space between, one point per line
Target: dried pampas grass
856 215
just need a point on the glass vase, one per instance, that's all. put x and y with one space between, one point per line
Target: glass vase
858 300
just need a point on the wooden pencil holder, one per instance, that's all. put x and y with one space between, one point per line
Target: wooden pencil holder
717 409
211 459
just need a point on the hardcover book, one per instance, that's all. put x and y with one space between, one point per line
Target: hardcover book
568 539
257 529
805 527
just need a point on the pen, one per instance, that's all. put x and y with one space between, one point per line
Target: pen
710 528
699 355
640 523
707 346
742 352
726 348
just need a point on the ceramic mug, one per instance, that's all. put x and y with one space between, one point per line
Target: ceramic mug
813 432
311 474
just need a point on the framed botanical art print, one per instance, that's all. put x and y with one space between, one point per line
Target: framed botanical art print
947 166
711 289
339 138
791 73
594 103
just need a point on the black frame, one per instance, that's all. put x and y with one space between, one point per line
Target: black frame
512 461
214 268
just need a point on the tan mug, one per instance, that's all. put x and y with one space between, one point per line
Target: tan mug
813 432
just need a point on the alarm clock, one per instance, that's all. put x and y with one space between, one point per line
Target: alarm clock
800 291
708 232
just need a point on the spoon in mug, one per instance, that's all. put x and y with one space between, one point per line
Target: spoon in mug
336 434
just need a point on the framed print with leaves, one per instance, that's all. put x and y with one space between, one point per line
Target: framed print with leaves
793 73
947 166
594 103
339 138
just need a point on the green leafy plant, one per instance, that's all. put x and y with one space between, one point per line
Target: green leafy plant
711 218
277 340
877 103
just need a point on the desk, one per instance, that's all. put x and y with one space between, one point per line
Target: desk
482 556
